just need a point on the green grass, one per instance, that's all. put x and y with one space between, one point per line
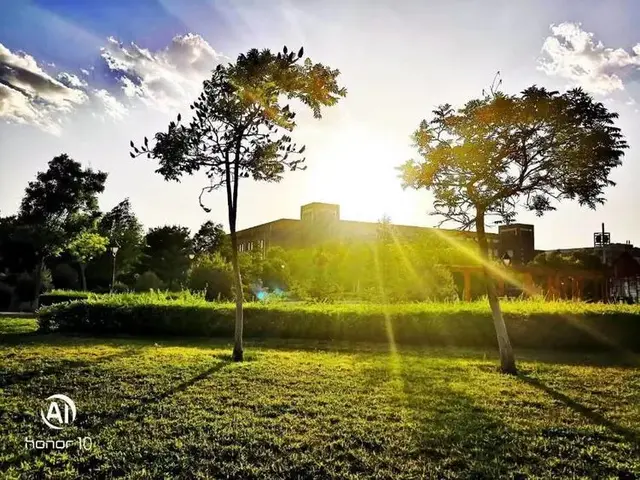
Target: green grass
512 306
179 409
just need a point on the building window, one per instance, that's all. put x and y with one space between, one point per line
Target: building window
262 245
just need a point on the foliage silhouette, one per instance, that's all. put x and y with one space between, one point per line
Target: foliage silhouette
502 151
240 129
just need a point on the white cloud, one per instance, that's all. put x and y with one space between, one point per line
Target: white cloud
112 107
572 53
30 95
71 80
165 79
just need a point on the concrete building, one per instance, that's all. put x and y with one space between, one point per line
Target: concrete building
320 223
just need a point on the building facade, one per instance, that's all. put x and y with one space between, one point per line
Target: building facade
320 223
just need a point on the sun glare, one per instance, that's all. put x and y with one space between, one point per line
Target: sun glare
355 168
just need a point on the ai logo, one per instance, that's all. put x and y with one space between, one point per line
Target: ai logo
61 412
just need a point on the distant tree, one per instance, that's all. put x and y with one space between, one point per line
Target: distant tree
502 151
64 276
147 281
166 253
209 239
84 247
240 130
16 254
58 205
213 274
123 229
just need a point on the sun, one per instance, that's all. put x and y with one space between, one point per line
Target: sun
356 168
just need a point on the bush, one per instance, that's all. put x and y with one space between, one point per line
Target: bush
120 287
62 296
531 324
148 281
212 274
65 277
6 295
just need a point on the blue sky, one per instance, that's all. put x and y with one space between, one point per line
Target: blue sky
98 74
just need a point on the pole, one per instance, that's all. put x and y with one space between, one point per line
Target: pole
604 255
113 272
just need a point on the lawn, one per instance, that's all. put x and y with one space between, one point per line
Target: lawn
167 408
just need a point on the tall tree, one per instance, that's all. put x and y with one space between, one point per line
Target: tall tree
166 253
209 239
59 204
85 247
123 229
501 151
240 129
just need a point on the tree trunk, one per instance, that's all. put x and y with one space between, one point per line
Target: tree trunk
38 283
83 277
507 359
238 352
232 202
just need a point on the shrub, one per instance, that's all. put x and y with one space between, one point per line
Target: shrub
213 275
62 296
120 287
561 325
65 277
148 281
6 296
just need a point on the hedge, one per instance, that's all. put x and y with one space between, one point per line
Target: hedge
62 296
461 324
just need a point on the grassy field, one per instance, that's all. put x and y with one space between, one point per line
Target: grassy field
178 408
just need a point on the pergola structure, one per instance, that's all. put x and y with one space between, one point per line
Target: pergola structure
559 283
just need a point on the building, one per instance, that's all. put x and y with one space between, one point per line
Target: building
622 268
517 241
320 223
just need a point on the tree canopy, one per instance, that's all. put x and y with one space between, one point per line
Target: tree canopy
209 239
503 151
166 253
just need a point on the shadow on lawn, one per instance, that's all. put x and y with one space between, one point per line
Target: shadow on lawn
451 435
455 434
137 409
62 367
631 436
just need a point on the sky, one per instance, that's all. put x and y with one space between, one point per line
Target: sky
86 77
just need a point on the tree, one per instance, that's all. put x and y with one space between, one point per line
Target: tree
211 273
121 226
166 253
59 204
240 130
209 239
502 151
123 229
85 247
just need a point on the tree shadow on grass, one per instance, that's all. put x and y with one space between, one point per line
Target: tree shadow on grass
457 436
446 433
631 436
62 367
137 409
